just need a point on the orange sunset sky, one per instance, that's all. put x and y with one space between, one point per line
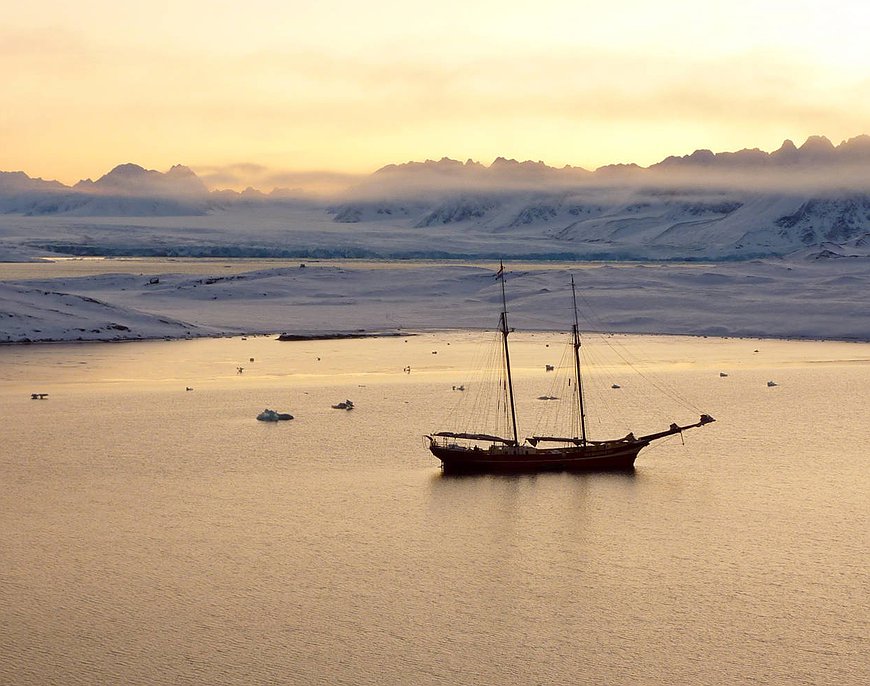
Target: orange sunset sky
350 86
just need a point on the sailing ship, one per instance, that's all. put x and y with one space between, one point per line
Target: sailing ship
464 452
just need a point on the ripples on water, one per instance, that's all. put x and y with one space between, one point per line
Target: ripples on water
152 535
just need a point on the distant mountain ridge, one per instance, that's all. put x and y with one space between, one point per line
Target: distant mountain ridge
127 190
130 179
816 150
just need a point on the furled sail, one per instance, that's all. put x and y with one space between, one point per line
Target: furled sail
534 440
476 437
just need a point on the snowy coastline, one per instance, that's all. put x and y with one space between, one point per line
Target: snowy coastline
801 298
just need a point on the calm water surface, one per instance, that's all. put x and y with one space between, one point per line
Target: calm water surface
152 535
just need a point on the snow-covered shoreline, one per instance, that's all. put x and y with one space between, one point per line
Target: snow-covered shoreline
798 299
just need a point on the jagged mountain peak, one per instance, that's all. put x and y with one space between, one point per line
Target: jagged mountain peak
788 153
510 163
855 148
122 176
815 150
703 156
450 164
18 181
445 164
180 170
126 169
817 143
135 180
619 169
787 147
862 140
699 157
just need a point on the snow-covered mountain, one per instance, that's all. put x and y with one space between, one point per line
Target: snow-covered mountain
703 206
133 180
641 223
127 190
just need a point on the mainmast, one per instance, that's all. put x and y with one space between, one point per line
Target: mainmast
579 384
507 357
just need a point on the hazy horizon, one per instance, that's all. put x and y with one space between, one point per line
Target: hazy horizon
347 88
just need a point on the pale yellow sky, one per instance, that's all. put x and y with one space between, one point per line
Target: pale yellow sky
350 86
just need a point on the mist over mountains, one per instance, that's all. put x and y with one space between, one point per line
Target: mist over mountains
127 190
817 163
706 205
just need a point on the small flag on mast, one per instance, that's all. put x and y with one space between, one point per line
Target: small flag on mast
500 271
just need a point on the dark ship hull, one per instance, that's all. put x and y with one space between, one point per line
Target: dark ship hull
606 456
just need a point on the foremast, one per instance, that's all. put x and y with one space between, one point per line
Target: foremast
579 379
507 357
